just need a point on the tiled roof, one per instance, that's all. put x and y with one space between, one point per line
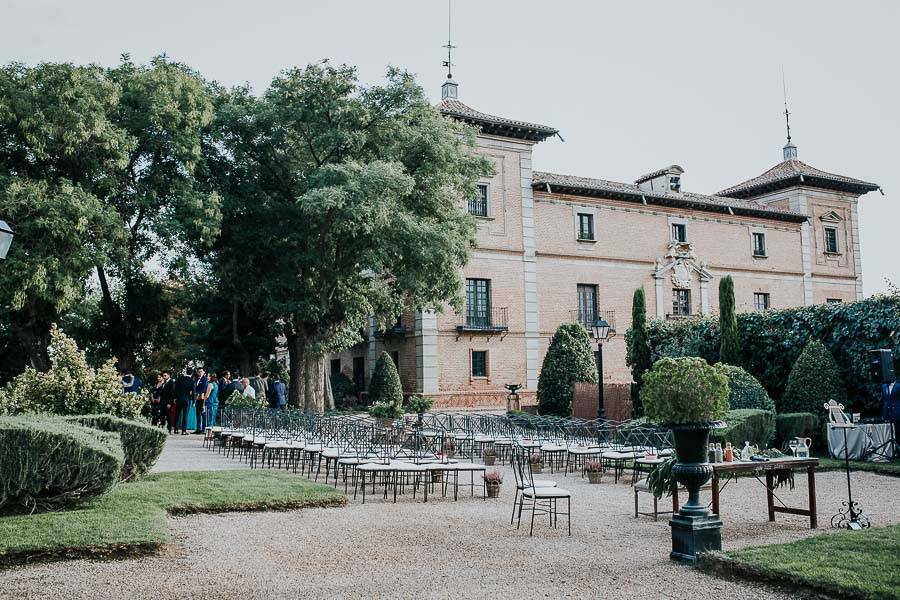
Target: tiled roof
659 172
491 124
794 172
629 192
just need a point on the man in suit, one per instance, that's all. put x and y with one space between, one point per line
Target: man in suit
167 402
184 391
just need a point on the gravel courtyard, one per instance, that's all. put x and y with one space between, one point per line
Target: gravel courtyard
442 549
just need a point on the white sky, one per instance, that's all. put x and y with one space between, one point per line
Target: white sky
631 86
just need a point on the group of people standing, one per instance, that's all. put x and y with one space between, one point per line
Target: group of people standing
194 400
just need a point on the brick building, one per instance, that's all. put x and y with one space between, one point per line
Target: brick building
554 248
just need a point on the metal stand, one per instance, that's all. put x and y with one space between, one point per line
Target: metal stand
850 516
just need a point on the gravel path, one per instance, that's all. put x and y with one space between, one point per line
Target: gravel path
444 549
186 453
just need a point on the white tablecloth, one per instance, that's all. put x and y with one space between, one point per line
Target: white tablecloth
861 441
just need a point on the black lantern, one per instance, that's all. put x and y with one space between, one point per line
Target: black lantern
601 330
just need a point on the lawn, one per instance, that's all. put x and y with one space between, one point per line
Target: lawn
882 468
852 564
132 517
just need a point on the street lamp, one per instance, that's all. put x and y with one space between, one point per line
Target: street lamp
601 334
6 237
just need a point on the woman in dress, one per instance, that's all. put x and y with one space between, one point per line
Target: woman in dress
212 400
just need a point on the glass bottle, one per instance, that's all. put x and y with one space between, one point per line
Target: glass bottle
729 452
719 453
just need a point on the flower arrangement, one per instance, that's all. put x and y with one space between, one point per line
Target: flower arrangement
493 477
593 466
536 458
489 455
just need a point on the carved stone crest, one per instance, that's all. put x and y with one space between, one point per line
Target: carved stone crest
681 275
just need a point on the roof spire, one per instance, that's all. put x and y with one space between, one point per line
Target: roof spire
790 149
450 87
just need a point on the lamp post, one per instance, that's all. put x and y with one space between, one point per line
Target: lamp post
6 237
601 334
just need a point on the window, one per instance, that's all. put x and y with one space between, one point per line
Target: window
335 366
679 233
681 302
831 240
478 303
833 300
478 206
675 183
587 304
585 226
359 373
759 244
479 363
761 301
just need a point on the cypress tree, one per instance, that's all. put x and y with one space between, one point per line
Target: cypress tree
730 344
569 359
638 356
385 385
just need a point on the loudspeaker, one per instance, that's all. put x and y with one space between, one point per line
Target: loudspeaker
881 363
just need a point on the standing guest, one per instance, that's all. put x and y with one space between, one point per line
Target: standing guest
279 392
201 394
167 399
127 380
184 393
212 401
249 392
156 402
258 384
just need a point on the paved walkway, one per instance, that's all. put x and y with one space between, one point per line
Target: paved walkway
442 549
186 453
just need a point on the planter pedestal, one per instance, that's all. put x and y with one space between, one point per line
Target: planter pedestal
694 529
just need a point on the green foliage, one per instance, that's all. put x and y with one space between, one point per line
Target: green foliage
569 359
419 404
70 387
791 425
238 400
661 480
385 387
638 350
684 390
746 425
744 391
342 389
385 410
142 443
730 344
54 464
777 337
814 380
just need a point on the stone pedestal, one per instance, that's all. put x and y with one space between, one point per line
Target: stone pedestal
692 535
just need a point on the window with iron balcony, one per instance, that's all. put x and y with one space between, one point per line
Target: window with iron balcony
478 205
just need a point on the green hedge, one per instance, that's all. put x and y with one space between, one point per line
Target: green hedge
47 463
746 425
801 424
141 442
569 359
385 387
772 340
814 380
744 391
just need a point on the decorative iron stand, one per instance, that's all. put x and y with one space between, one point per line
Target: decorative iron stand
512 399
850 515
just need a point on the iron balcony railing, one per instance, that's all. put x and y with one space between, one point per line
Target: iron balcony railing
587 318
494 319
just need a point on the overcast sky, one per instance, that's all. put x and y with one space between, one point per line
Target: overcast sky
631 86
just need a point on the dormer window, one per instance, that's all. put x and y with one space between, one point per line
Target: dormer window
679 233
831 240
675 183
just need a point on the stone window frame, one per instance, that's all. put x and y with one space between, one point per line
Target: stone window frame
577 211
766 298
837 239
487 364
672 221
757 230
690 301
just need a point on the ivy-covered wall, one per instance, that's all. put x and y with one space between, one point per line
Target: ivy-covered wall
772 340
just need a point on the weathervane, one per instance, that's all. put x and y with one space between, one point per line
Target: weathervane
787 113
448 63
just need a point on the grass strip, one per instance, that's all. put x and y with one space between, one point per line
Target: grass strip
848 564
131 519
882 468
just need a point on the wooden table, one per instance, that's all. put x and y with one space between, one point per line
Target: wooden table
732 468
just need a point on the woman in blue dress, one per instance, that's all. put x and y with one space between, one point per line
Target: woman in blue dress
212 401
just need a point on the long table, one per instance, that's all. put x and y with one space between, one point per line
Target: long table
727 469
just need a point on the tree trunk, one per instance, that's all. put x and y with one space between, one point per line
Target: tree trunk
310 389
118 333
35 346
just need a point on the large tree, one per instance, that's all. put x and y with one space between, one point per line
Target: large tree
638 348
341 202
730 345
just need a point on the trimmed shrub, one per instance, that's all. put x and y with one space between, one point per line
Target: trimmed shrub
744 391
684 390
342 388
746 425
142 443
385 387
730 345
49 463
569 359
638 350
70 387
814 380
801 424
848 330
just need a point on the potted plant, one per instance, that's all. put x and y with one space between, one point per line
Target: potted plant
419 405
536 462
594 470
385 413
450 447
489 455
492 481
690 397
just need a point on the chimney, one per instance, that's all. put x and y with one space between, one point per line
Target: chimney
663 180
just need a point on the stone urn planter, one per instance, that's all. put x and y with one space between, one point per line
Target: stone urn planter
594 470
437 476
492 481
489 459
594 476
688 396
537 468
493 489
